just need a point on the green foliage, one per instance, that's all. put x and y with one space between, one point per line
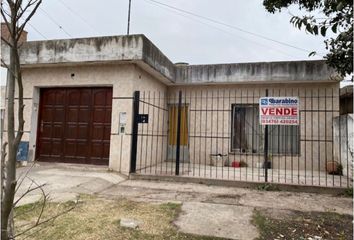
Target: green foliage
260 221
348 192
268 187
338 18
338 171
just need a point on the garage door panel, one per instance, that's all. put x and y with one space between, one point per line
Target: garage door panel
107 133
57 131
99 98
46 147
99 115
48 114
72 114
73 97
106 149
46 129
59 114
97 132
70 131
82 149
85 99
96 149
83 131
49 98
57 148
59 98
84 115
77 125
69 148
109 96
108 116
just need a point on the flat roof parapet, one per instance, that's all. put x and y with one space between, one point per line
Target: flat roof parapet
140 50
258 72
107 49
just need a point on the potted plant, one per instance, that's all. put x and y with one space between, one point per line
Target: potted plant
335 168
331 167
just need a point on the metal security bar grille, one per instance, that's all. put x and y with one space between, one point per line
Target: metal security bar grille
216 134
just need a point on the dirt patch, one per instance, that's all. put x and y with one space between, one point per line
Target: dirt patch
98 218
229 199
303 225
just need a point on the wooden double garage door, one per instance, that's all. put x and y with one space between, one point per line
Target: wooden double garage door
74 125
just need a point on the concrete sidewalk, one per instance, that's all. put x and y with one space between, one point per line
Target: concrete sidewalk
206 210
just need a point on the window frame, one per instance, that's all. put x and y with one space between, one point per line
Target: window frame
261 150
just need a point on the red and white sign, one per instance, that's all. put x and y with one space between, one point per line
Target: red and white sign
279 111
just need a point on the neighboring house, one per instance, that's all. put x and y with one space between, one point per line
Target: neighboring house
346 100
343 127
79 106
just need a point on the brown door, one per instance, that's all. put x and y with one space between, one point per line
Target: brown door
74 125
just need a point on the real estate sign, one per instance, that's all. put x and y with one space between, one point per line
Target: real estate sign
279 111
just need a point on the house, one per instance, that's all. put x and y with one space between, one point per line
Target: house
114 100
346 100
343 131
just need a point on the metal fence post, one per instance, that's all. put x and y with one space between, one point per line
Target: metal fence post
135 127
178 132
266 149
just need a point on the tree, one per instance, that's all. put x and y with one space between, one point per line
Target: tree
16 14
337 16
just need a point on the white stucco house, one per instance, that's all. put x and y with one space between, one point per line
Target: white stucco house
79 97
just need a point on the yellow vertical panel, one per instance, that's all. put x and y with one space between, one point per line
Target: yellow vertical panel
184 126
172 126
173 117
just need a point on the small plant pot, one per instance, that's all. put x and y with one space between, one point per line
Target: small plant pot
235 164
332 167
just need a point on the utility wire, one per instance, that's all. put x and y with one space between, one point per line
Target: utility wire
230 26
79 16
35 29
55 22
222 30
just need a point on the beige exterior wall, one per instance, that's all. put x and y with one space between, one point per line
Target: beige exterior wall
124 79
315 127
152 141
121 144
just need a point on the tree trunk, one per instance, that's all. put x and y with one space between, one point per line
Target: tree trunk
12 15
10 182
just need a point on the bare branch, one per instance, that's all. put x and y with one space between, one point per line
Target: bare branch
29 190
53 218
23 10
22 26
27 211
5 64
5 41
44 200
8 68
23 176
3 14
